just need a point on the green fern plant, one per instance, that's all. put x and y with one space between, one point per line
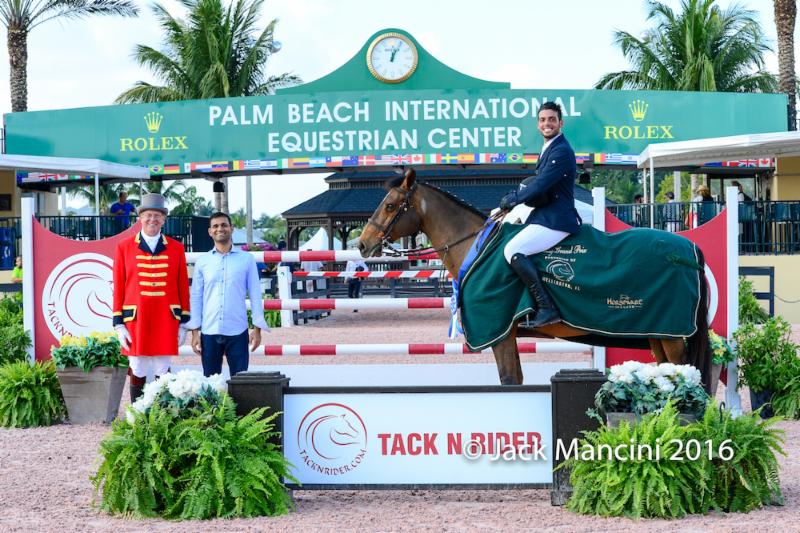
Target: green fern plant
135 476
236 471
30 395
14 343
205 463
745 477
640 487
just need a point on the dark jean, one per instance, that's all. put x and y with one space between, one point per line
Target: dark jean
234 347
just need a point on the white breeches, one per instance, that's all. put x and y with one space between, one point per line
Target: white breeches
533 239
142 365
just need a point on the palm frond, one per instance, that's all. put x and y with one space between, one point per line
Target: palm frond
76 9
699 48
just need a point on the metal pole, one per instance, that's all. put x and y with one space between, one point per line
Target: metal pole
732 397
97 205
63 209
653 194
599 222
285 291
644 185
28 210
248 193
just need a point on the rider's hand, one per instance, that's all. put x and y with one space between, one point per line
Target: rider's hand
124 336
509 201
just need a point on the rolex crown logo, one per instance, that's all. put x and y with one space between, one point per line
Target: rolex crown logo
638 109
153 120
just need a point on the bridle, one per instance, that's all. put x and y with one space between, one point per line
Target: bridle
385 231
405 205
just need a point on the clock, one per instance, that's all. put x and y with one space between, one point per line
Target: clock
392 57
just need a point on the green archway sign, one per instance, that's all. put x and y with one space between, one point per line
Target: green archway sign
391 104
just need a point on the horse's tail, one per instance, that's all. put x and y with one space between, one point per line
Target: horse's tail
699 351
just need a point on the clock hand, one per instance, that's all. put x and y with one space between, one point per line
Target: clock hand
394 52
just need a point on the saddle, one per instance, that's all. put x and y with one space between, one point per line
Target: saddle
639 283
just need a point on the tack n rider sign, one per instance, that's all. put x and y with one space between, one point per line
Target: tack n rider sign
72 286
353 118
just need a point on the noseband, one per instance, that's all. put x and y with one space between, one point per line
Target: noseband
385 231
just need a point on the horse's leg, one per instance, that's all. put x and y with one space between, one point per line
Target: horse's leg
675 351
658 350
506 356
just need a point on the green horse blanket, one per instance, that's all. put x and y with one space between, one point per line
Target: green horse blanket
636 283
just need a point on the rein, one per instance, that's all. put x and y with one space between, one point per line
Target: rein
405 205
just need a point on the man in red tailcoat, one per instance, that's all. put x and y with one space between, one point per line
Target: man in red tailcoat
151 295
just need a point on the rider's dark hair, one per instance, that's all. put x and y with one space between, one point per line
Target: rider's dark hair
219 214
552 106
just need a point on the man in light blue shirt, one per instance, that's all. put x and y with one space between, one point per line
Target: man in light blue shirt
222 280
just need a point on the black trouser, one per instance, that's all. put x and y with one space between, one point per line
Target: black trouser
354 288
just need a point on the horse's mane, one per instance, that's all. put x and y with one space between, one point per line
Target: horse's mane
396 182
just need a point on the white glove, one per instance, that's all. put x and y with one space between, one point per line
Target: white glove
181 335
124 336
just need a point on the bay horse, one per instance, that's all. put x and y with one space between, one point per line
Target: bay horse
452 225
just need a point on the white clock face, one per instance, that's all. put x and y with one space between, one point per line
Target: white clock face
392 59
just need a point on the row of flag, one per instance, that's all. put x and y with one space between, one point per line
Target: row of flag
381 160
356 161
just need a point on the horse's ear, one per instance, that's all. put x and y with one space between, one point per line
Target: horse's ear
409 178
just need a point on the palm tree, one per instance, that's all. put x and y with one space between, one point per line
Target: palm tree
108 195
215 53
172 191
192 204
702 48
21 16
785 15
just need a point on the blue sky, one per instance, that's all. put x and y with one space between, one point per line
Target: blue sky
531 44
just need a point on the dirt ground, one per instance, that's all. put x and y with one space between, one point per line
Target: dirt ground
44 472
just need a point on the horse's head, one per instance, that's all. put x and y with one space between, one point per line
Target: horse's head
395 217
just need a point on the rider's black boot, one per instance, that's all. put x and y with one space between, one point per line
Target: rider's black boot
546 312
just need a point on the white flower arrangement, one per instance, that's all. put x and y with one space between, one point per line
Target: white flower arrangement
661 374
184 386
635 387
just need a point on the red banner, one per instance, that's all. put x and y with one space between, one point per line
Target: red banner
711 238
72 286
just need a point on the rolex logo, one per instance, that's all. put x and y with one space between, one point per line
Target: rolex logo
153 143
154 119
638 109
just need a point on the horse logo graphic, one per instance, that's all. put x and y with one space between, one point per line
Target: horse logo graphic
332 438
561 270
77 296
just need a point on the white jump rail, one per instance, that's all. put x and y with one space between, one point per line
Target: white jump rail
379 274
403 349
324 255
329 304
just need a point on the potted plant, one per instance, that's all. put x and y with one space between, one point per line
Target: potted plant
768 363
722 355
634 389
91 371
182 453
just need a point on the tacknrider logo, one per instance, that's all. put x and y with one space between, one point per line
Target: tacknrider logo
332 439
77 296
638 109
153 142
